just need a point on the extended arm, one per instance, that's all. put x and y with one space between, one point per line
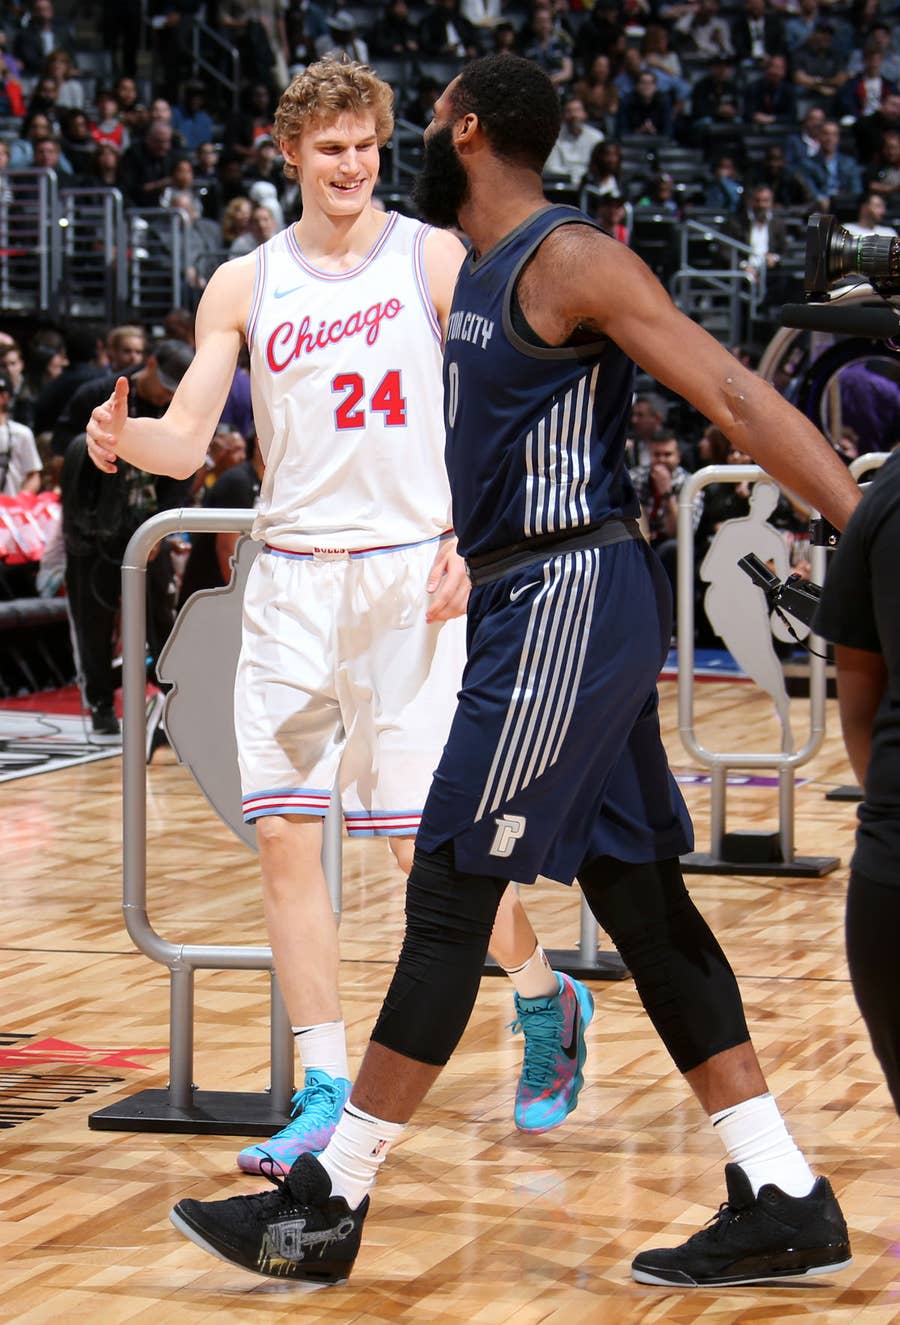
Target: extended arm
176 444
601 286
861 682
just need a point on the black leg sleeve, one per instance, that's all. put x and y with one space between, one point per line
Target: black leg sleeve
682 975
873 934
449 918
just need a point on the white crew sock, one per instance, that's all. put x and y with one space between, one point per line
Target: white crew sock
323 1047
755 1136
534 978
356 1151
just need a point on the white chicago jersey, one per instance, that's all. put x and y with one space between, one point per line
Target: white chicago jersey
347 397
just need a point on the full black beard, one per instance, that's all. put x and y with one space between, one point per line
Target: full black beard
441 185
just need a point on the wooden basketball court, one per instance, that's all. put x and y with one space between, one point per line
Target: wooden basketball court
472 1221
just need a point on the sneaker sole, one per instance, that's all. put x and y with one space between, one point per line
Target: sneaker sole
308 1284
780 1277
586 1012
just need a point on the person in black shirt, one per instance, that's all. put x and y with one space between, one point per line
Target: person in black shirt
208 566
860 614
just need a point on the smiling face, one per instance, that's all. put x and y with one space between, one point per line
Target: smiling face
337 164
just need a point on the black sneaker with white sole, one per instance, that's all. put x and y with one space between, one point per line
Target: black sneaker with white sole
755 1239
298 1231
105 728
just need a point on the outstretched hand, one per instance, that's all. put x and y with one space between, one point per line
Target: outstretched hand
448 582
105 426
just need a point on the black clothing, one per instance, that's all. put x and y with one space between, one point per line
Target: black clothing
237 488
873 923
860 608
52 399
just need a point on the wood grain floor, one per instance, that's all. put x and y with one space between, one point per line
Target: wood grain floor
472 1221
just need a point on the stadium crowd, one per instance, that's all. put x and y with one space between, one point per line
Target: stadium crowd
749 115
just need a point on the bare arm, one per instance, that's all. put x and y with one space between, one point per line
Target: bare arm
444 256
861 682
176 443
580 278
225 545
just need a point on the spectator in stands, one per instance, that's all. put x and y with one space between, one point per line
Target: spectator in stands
237 411
800 147
604 172
236 220
60 66
646 110
227 448
40 34
264 166
703 31
98 520
657 485
884 178
76 143
254 120
171 23
870 218
178 324
791 191
9 65
799 26
444 31
715 99
262 228
182 180
660 197
864 93
550 49
21 400
202 245
206 181
571 153
106 125
190 118
657 54
610 212
870 129
106 167
147 166
772 99
43 99
343 38
419 109
249 36
599 95
237 488
831 172
304 23
395 33
132 112
818 68
83 341
263 193
20 463
757 33
648 416
878 36
120 28
126 347
725 192
48 155
12 103
764 231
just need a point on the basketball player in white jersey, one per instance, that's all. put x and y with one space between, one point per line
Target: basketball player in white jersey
351 656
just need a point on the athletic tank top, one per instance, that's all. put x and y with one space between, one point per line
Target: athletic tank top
535 436
346 386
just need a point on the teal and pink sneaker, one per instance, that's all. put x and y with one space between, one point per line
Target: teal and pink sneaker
554 1054
315 1111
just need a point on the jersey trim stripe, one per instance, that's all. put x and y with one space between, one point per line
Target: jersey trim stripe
549 672
295 251
353 553
259 290
422 283
558 461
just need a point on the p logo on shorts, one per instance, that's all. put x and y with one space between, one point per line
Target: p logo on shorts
510 827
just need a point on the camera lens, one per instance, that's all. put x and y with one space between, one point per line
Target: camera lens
833 253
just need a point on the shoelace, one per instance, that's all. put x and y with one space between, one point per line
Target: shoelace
264 1204
716 1225
541 1042
304 1102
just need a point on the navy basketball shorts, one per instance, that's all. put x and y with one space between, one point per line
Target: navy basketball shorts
554 755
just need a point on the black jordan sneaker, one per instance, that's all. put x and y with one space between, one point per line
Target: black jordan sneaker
755 1239
298 1231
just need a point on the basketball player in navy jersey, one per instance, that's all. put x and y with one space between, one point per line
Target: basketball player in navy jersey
554 762
350 661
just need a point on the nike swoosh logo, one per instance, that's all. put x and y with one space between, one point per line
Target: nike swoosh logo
571 1049
520 589
282 294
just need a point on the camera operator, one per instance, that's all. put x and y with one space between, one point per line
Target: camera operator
860 613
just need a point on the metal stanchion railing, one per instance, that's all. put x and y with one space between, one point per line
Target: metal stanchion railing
181 1107
743 853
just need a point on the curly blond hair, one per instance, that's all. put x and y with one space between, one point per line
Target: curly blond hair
329 88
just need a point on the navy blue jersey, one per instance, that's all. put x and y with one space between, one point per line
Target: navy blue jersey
532 450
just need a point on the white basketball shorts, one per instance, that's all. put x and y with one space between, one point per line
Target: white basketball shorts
341 679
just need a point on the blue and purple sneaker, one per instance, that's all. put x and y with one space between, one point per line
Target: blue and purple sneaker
554 1054
315 1111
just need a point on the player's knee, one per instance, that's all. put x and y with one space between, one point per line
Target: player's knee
292 843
